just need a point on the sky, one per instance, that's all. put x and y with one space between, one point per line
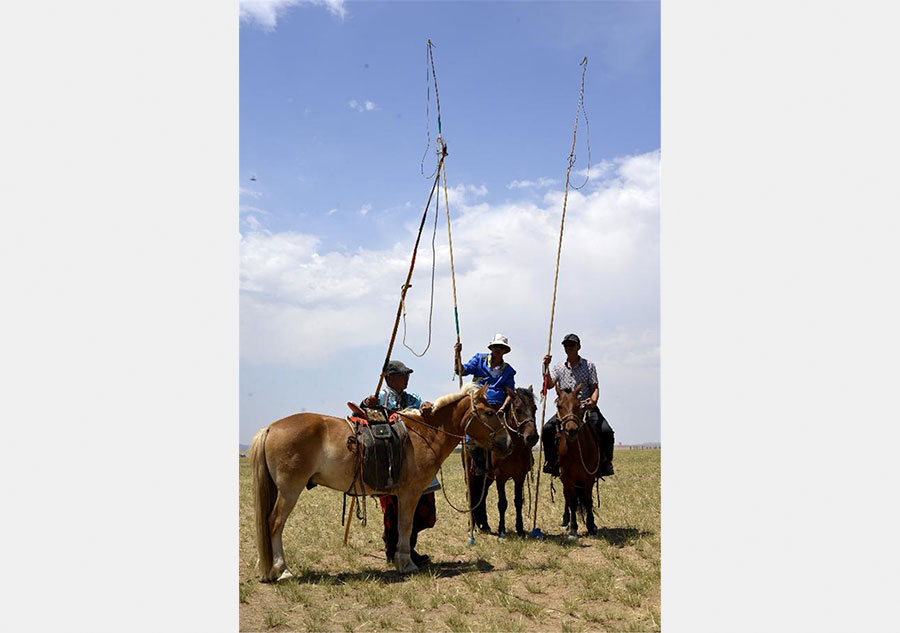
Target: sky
337 135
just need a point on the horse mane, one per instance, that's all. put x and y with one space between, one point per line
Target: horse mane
452 398
525 393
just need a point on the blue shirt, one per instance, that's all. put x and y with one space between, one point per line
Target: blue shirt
394 401
497 378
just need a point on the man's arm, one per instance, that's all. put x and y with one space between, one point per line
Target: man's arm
550 382
594 398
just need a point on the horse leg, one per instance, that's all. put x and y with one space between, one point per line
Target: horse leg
406 507
283 506
588 504
518 486
572 509
502 504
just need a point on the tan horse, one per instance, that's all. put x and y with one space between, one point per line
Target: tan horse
313 448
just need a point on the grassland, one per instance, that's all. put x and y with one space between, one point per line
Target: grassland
610 582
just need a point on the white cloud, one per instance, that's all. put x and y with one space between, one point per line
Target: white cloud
366 106
596 171
462 194
331 212
265 13
250 193
524 184
247 208
504 257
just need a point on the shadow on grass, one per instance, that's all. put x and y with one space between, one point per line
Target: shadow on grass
390 576
618 537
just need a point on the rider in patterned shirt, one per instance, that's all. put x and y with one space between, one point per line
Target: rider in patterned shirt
568 375
395 397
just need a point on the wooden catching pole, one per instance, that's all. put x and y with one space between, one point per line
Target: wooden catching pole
535 532
456 357
439 172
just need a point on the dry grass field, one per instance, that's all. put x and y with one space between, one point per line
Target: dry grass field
610 582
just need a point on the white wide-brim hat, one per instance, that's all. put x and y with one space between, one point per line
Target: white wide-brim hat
499 339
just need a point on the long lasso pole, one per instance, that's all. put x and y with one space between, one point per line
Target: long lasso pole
535 532
457 360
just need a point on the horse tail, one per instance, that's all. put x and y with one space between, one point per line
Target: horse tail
264 493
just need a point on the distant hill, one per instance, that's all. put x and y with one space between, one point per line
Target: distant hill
244 447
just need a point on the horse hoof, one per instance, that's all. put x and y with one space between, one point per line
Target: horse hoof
572 537
285 575
501 537
404 564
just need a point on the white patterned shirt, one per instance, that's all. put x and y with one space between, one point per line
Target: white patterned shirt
567 377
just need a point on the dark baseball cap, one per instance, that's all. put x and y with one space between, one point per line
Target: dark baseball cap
396 367
571 338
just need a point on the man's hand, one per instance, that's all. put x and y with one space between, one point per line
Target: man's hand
457 348
371 401
547 360
426 408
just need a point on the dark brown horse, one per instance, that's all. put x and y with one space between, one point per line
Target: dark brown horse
313 448
579 460
515 466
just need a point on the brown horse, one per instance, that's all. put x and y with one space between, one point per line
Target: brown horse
579 460
515 466
313 448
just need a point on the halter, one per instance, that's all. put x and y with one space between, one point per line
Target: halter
473 415
571 417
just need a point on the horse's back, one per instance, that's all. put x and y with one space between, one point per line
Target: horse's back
297 437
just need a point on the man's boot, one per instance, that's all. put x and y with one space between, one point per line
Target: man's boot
548 439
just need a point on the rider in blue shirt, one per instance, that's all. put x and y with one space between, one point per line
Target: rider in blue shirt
490 370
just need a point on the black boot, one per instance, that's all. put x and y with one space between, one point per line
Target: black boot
479 461
548 440
417 558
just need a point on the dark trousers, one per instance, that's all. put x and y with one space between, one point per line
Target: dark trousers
601 428
424 518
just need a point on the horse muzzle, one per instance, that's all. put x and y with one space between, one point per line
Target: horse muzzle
571 432
502 445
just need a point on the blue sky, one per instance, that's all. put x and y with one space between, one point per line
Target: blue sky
333 120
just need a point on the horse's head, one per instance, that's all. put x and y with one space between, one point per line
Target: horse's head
486 427
522 414
569 411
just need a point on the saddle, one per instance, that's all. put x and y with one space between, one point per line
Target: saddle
381 438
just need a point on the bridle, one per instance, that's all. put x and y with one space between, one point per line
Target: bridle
518 424
573 417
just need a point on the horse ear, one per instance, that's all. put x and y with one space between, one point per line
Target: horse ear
511 393
577 388
558 390
531 389
482 391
